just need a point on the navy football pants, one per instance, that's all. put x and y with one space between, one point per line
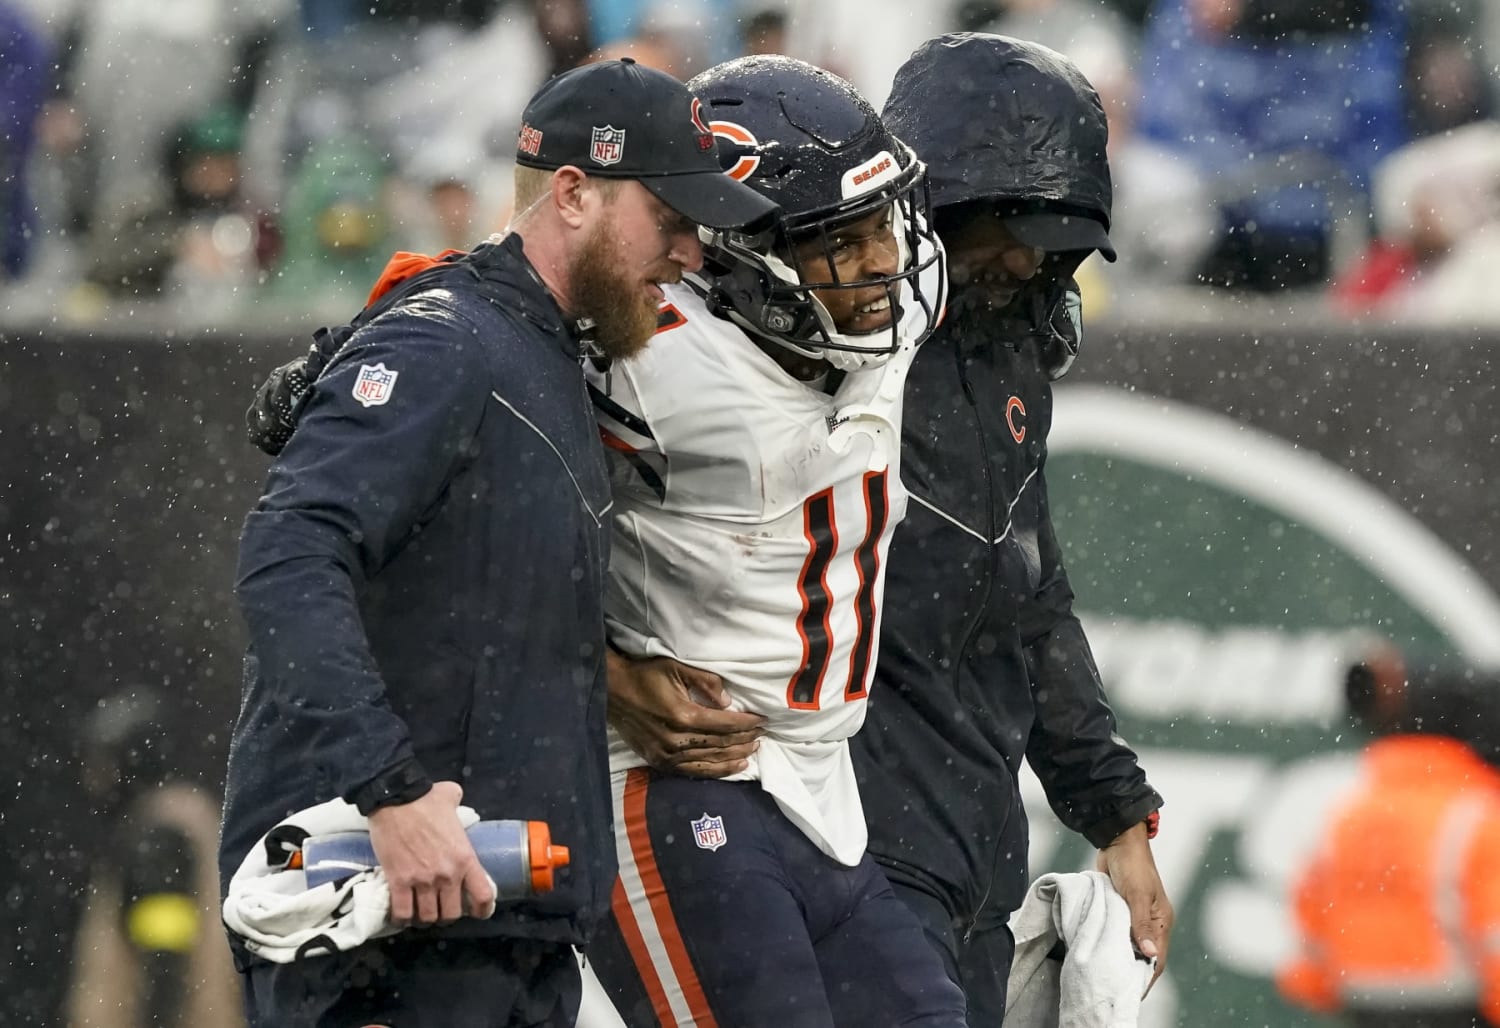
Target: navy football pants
978 959
755 927
411 981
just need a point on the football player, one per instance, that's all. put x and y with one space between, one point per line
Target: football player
755 472
982 658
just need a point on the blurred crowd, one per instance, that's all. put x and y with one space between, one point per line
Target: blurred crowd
226 160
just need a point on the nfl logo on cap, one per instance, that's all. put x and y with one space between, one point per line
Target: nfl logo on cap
708 832
608 145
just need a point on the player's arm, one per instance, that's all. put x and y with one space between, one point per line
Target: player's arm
354 481
1093 781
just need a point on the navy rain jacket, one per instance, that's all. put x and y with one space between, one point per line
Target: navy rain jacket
982 661
422 582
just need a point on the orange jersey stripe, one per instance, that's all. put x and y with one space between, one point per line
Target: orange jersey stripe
614 442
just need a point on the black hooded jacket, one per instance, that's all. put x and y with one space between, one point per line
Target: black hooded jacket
982 659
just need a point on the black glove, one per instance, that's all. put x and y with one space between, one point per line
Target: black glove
277 407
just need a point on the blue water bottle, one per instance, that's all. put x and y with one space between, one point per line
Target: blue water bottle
518 855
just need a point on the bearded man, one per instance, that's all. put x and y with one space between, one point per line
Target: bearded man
422 579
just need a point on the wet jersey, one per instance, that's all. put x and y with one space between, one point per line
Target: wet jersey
753 514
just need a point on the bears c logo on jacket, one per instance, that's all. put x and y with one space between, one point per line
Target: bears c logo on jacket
1017 426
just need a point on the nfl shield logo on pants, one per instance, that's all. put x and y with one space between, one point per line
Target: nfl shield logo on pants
609 145
708 832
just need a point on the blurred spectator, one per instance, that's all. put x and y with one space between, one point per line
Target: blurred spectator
1164 220
1447 85
1437 202
704 30
449 199
865 41
196 237
654 50
448 115
1449 79
1442 698
1063 25
1283 107
132 71
220 244
336 229
1400 910
326 20
451 98
24 78
405 76
149 949
763 29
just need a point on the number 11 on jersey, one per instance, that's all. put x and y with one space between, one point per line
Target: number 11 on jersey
815 624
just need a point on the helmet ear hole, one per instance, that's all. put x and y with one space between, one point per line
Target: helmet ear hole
779 320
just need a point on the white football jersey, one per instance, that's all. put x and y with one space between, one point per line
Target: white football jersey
752 518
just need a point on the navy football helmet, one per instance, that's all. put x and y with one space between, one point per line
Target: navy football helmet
808 140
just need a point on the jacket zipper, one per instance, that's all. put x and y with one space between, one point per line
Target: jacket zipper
991 573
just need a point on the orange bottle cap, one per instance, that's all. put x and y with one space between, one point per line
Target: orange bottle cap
545 857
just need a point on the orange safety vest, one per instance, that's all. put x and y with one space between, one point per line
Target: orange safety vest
1400 909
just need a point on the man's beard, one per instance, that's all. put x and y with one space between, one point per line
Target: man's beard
624 315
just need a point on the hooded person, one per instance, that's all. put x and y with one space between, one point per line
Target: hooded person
982 660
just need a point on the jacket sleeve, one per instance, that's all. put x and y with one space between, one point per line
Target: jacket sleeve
389 423
1092 779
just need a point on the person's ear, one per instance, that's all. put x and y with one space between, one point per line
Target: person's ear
571 197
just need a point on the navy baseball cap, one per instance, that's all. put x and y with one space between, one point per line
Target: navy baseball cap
620 119
1058 233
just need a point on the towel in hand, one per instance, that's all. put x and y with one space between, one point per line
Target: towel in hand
277 917
1099 980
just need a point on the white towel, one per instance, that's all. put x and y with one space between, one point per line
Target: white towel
1100 980
278 918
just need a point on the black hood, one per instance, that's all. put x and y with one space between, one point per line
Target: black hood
997 118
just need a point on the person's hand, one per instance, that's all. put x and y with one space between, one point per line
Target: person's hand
1132 869
434 874
674 716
